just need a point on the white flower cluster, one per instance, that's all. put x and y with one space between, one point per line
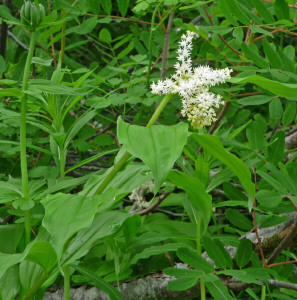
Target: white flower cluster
137 195
193 86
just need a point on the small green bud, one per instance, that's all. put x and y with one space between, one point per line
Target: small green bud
42 12
22 14
27 9
31 15
35 16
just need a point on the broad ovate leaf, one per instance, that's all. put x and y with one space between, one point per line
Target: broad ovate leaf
66 214
157 146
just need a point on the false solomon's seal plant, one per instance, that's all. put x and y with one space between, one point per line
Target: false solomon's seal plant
192 85
31 17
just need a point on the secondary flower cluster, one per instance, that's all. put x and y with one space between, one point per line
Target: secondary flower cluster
137 195
193 86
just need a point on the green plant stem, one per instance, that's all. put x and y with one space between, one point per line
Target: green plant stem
23 150
63 39
62 163
67 282
158 111
263 292
202 290
199 251
127 156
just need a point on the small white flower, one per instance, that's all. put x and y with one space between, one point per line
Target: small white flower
137 195
193 85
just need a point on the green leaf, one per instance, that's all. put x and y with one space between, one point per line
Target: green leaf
269 198
252 52
10 283
237 12
243 275
281 9
65 215
10 236
216 29
271 54
202 169
263 11
2 65
276 150
255 136
255 100
130 228
9 260
105 225
107 6
40 61
273 182
273 221
77 126
228 258
213 145
238 219
157 146
11 92
183 283
287 181
233 192
289 51
214 252
85 27
218 290
105 36
200 200
196 4
50 87
194 260
244 253
289 114
7 81
154 250
29 273
225 8
238 130
133 176
5 14
43 254
275 109
112 292
87 160
123 6
288 90
150 238
125 39
258 29
126 51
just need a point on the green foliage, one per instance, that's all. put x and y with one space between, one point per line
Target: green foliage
116 200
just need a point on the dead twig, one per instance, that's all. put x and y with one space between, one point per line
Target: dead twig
283 244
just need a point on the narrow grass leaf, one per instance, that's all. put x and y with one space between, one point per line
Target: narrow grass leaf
111 291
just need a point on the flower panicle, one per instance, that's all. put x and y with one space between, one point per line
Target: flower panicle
193 85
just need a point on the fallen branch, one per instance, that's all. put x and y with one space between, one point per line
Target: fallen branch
283 244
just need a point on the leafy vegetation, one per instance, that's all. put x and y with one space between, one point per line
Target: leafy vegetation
103 178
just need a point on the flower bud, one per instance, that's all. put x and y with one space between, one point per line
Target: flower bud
31 15
27 6
35 16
